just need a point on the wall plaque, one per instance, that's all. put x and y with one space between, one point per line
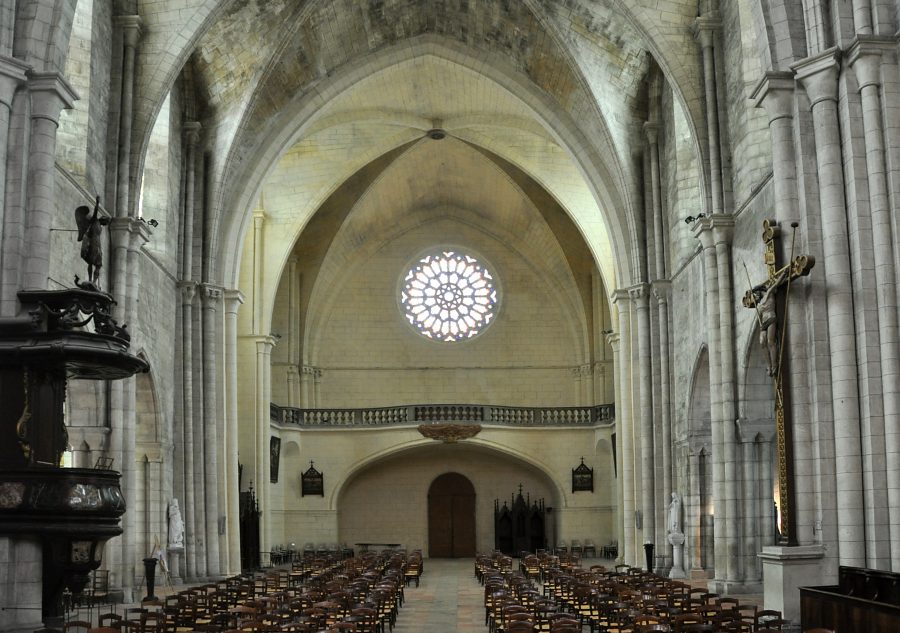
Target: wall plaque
312 482
582 478
275 456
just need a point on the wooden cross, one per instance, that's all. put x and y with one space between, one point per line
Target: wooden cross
769 302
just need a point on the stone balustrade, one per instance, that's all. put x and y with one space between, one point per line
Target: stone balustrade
603 414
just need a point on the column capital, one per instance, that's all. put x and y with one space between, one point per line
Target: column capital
210 295
864 57
233 300
620 297
191 131
702 230
132 27
135 231
662 289
13 73
705 28
722 226
612 339
293 370
775 93
50 95
264 343
651 131
640 295
188 290
140 233
818 75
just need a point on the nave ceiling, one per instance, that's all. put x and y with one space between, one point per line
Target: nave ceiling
558 89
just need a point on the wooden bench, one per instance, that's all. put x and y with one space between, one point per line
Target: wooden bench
863 600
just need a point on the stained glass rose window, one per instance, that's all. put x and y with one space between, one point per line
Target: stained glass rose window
449 296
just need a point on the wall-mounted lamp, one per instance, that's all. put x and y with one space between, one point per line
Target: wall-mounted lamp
693 218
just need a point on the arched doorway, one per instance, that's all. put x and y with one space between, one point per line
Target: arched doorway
451 517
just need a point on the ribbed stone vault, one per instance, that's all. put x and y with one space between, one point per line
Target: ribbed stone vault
262 67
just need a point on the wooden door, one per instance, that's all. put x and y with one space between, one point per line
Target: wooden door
451 517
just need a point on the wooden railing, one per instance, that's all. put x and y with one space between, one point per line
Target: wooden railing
602 414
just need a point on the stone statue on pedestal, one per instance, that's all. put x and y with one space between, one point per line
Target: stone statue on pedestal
675 536
673 520
176 526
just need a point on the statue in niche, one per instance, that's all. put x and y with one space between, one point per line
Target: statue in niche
673 521
90 227
176 526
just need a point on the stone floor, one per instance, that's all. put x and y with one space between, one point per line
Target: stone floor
449 599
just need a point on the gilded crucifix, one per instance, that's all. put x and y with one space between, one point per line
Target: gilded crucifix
769 302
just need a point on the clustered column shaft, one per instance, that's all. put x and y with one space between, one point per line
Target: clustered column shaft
818 76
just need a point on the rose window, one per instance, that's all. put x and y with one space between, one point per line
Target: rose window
449 296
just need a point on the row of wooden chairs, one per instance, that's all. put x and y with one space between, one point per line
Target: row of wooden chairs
622 600
356 595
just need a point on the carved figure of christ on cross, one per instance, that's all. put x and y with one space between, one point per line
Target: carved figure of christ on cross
769 303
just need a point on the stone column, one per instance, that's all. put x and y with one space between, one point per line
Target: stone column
200 472
211 295
703 230
306 387
188 290
264 346
818 75
662 290
130 26
233 301
613 340
866 61
50 94
752 502
692 515
705 31
12 76
294 386
624 427
317 388
723 229
191 139
776 93
640 297
767 461
259 219
138 235
294 333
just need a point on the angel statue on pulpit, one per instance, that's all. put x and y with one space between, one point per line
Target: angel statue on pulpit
90 227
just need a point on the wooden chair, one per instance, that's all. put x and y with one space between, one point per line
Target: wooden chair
685 619
819 630
108 620
77 626
99 589
770 619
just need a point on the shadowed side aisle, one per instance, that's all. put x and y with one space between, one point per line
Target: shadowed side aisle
448 600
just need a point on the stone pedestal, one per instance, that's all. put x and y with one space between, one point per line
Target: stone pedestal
676 539
174 558
785 570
